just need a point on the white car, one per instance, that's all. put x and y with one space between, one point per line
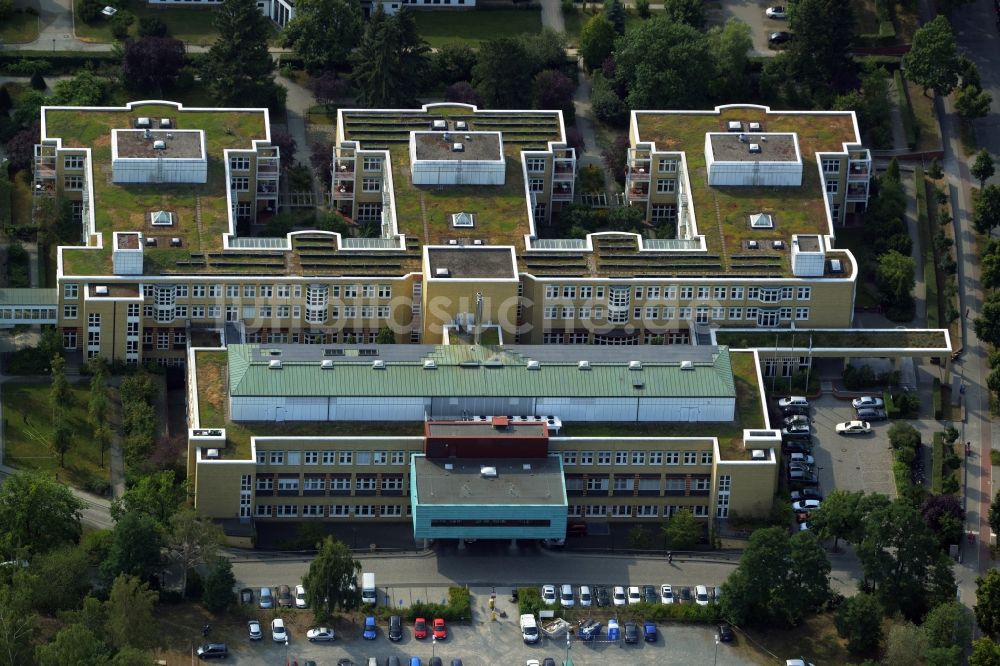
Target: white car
549 594
775 12
566 596
803 458
533 662
618 596
701 595
793 401
854 428
300 597
278 633
253 628
804 527
634 595
867 401
666 594
585 597
320 634
806 505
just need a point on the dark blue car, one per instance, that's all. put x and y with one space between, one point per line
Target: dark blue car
649 631
370 628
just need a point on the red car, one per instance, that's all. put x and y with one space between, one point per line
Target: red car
420 628
440 632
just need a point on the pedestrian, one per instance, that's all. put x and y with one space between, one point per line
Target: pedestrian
670 557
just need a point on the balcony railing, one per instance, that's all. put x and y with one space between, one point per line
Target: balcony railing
638 193
857 192
638 172
344 170
344 190
858 171
562 192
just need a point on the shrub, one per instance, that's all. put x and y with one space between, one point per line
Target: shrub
38 81
150 26
936 398
458 608
6 9
891 408
937 463
905 109
89 10
120 23
642 8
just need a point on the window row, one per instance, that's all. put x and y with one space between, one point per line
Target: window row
701 314
629 510
685 293
280 457
310 484
636 457
330 511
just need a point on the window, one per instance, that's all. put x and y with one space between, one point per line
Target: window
535 164
294 457
702 293
785 314
539 211
586 457
73 162
345 458
551 291
380 457
737 293
371 184
363 458
595 510
646 511
569 457
265 484
666 185
594 483
718 313
622 484
668 165
621 457
604 457
287 511
831 166
719 293
690 457
288 484
372 164
239 163
239 184
536 185
621 511
656 457
700 511
73 183
314 510
312 457
701 314
706 457
668 313
277 457
263 510
398 457
803 293
652 293
801 314
687 293
550 312
365 483
341 483
392 483
735 314
673 457
663 213
831 186
391 511
651 312
569 292
385 291
71 291
69 312
249 291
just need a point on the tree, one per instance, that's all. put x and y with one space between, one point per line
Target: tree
994 515
987 606
932 61
597 40
614 157
62 438
6 102
219 585
499 77
321 161
682 531
37 513
778 579
151 64
985 652
463 93
97 407
945 516
60 396
135 547
60 579
894 278
554 90
20 148
987 324
838 517
545 50
385 336
74 644
948 627
130 656
84 89
328 88
972 102
982 168
605 102
664 65
820 53
859 620
18 622
330 582
905 645
130 613
238 68
691 12
324 32
193 540
614 12
986 214
150 26
286 145
391 62
453 62
156 495
731 46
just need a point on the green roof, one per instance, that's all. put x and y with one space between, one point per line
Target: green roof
469 370
28 296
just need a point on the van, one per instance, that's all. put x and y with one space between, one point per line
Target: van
529 628
368 593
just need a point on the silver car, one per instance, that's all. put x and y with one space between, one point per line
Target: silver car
266 600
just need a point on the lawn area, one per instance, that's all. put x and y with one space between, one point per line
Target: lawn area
815 640
474 26
20 28
853 239
848 339
928 131
28 434
577 17
21 213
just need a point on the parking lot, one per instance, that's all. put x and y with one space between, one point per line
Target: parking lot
484 642
750 12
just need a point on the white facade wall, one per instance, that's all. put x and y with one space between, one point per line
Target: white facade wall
588 409
377 409
687 409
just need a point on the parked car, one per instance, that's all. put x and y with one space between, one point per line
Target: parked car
265 598
795 410
779 37
666 594
797 446
278 633
618 596
793 400
631 632
872 414
300 597
725 633
795 420
793 430
701 595
440 630
213 651
867 401
548 661
614 633
395 628
685 595
371 628
854 428
806 493
566 599
253 629
802 458
285 596
806 505
634 595
549 594
799 467
246 596
553 543
649 594
803 478
420 628
804 526
775 13
586 599
320 634
717 594
649 631
601 596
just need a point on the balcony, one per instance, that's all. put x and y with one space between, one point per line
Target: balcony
857 191
858 171
344 190
562 192
638 192
563 170
639 172
267 188
344 170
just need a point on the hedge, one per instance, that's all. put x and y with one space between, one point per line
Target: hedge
891 409
937 463
936 398
6 200
57 61
530 603
905 109
458 608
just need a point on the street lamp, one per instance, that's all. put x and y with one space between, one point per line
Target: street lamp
286 645
716 649
434 641
567 647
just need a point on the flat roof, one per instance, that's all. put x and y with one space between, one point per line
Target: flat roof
809 243
473 262
177 144
518 481
128 241
440 145
735 147
485 429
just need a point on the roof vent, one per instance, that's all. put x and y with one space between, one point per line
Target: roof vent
526 466
754 147
429 364
534 365
150 242
211 454
477 241
378 365
326 364
752 245
458 147
274 364
175 242
583 365
836 266
449 466
734 126
452 241
687 365
442 272
635 365
778 245
142 122
461 125
439 125
761 221
754 127
488 472
100 290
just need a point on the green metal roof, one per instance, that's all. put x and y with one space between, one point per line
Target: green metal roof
28 296
465 370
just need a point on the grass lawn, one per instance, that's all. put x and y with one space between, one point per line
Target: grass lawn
20 28
815 640
474 26
22 199
853 240
28 434
928 131
193 25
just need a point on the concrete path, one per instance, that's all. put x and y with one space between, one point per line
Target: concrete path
910 217
591 155
552 16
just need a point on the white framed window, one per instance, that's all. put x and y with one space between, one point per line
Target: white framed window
569 457
736 313
239 184
277 457
801 314
621 511
666 185
638 457
380 457
550 312
341 483
286 511
73 162
398 458
365 483
831 165
621 457
595 510
598 484
391 511
569 292
687 293
345 458
392 483
371 184
551 291
372 164
586 292
668 165
265 484
312 457
535 164
673 457
690 457
73 182
803 293
656 457
263 511
604 457
69 312
706 457
239 163
312 510
288 484
536 185
71 291
832 186
586 457
624 484
646 511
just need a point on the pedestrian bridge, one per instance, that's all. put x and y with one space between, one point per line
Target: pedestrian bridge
28 306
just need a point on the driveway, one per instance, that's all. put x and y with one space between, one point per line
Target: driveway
750 12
